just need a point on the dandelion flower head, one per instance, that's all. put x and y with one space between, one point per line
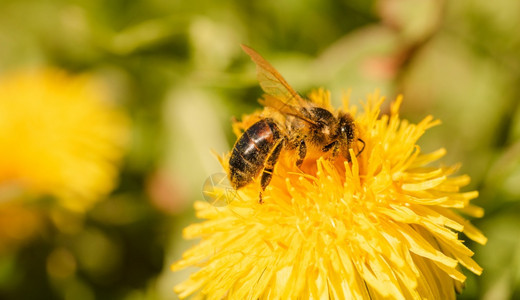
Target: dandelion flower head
379 223
59 136
383 225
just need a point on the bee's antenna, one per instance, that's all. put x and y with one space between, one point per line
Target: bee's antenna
361 148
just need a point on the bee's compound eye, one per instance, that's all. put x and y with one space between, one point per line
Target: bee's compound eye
217 190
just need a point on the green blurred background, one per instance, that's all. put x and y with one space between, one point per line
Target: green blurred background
178 72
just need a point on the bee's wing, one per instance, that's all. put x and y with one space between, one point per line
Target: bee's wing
280 95
217 190
279 105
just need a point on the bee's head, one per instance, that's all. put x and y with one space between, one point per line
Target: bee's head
347 133
346 128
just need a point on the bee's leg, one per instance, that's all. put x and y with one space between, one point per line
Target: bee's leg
302 152
269 167
334 146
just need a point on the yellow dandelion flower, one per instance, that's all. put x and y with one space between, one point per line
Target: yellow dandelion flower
59 136
383 225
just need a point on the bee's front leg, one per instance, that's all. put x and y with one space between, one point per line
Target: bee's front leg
334 146
267 174
302 152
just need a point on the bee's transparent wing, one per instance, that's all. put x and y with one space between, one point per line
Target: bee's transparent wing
282 96
217 190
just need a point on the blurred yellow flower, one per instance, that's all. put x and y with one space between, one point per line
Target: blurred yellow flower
381 226
59 136
17 225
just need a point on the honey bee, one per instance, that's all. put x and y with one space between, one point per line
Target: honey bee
306 124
